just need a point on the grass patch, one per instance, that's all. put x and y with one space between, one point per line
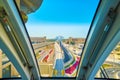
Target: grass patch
107 65
118 54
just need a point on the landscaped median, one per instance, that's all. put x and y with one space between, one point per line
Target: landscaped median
70 70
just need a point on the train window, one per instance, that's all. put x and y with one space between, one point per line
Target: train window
58 30
7 69
111 67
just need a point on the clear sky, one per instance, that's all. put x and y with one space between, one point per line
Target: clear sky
68 18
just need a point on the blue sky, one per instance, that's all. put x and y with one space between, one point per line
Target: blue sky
68 18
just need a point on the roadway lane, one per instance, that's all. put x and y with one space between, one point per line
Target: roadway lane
67 55
113 73
58 64
118 75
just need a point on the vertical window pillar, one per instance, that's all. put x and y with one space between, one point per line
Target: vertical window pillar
0 63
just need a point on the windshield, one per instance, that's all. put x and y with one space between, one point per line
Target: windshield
58 30
51 40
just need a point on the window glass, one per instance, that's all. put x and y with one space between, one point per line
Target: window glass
7 69
58 31
111 66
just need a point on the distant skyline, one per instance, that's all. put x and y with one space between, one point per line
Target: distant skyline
67 18
64 30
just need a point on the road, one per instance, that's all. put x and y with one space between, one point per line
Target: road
63 57
67 55
113 73
118 75
58 64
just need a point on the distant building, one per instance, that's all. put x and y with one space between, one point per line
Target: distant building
38 39
75 40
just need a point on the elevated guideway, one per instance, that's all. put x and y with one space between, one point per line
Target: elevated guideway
58 64
70 61
67 55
